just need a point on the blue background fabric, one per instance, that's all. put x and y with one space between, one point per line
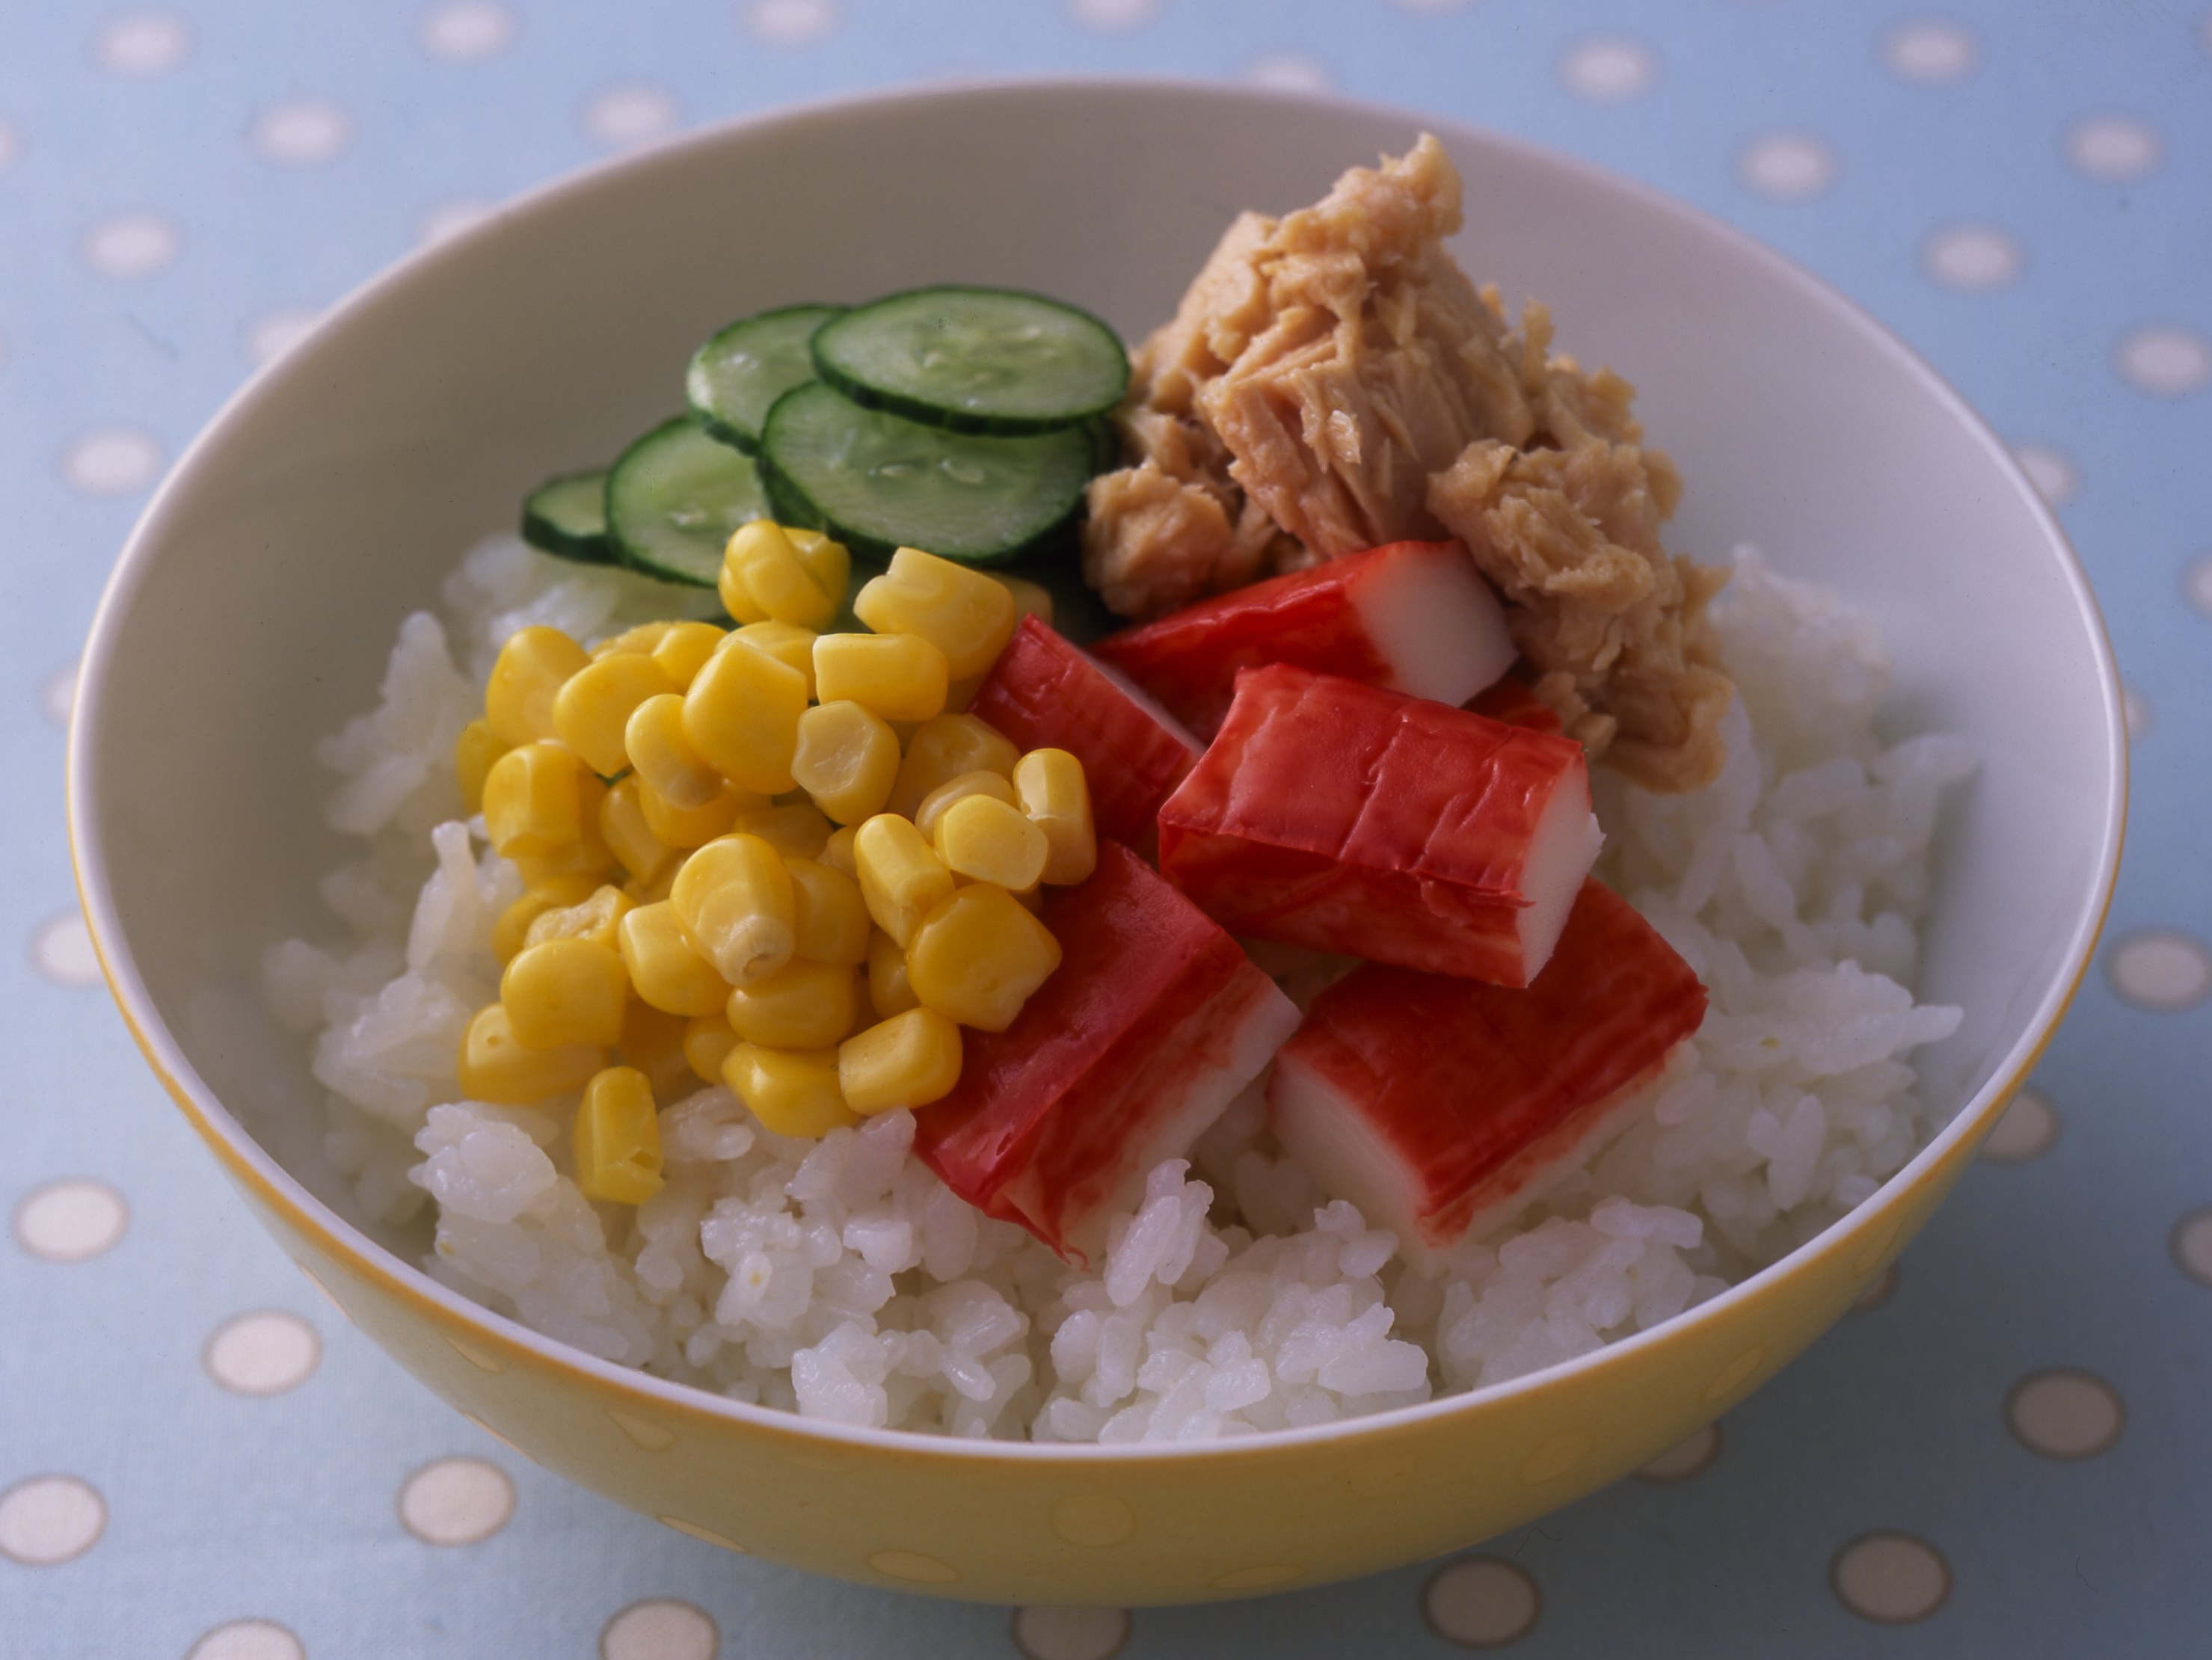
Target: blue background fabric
2009 1452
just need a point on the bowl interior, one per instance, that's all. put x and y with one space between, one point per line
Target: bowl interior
255 603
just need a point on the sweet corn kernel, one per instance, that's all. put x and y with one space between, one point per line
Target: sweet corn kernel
708 1042
989 840
742 716
789 644
802 1006
791 1092
587 857
474 751
734 900
976 958
616 1141
796 830
594 705
661 754
655 892
565 991
963 613
497 1067
622 827
827 561
830 918
764 578
846 760
1050 787
1030 599
512 932
890 992
907 1061
943 748
667 972
837 851
687 827
596 917
900 677
643 638
682 651
528 674
938 801
653 1042
902 879
533 801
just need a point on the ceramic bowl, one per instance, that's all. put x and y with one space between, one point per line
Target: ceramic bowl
254 605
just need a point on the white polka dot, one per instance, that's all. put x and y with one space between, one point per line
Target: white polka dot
2028 1129
2134 710
2053 471
790 23
2196 584
248 1639
661 1629
302 132
2113 150
2158 969
1112 16
626 115
1049 1633
1609 69
58 695
456 1501
50 1519
443 219
111 461
1931 51
1890 1578
2193 1245
2163 361
61 949
11 144
1972 258
264 1353
2065 1414
130 245
71 1220
1786 166
142 44
1481 1601
1883 1288
275 332
466 31
1288 71
1686 1458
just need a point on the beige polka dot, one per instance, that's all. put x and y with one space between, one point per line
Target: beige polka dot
1260 1577
790 23
140 45
1686 1458
1609 69
475 1357
302 132
2134 710
653 1438
264 1353
1931 51
914 1567
1892 1578
71 1221
50 1519
58 695
2196 584
2028 1129
2065 1414
705 1536
2193 1245
466 31
2113 150
1112 16
248 1639
622 116
2165 360
1973 258
111 461
1883 1288
2160 970
1288 71
61 951
456 1501
2053 471
11 144
130 247
443 220
273 333
1556 1456
1071 1633
1093 1518
1786 166
661 1629
1481 1603
1734 1375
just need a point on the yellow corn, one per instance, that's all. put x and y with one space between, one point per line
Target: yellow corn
890 992
846 760
565 991
943 748
616 1141
963 613
655 892
796 830
596 917
827 561
789 644
595 703
938 801
837 851
622 827
527 676
976 958
496 1068
474 751
900 677
534 801
586 857
686 827
682 651
989 840
907 1061
643 638
653 1042
830 918
1030 599
791 1092
734 900
707 1041
902 879
742 715
512 932
764 578
1050 787
654 743
802 1006
667 972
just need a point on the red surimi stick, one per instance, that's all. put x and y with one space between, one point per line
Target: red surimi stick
1508 700
1346 818
1440 1106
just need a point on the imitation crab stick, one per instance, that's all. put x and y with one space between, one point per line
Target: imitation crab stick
1346 818
1045 693
1413 617
1154 1022
1508 700
1439 1106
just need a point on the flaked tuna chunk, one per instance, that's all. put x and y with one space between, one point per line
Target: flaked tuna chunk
1346 818
1413 617
1154 1022
1044 692
1440 1107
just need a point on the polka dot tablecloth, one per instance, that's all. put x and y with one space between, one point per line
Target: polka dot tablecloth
2006 1451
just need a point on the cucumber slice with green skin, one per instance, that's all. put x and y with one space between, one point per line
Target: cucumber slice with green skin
674 497
878 481
740 372
974 359
567 517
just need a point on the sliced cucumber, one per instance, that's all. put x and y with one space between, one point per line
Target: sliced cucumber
737 374
878 481
568 516
974 359
675 496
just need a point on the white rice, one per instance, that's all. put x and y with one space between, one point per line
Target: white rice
840 1279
